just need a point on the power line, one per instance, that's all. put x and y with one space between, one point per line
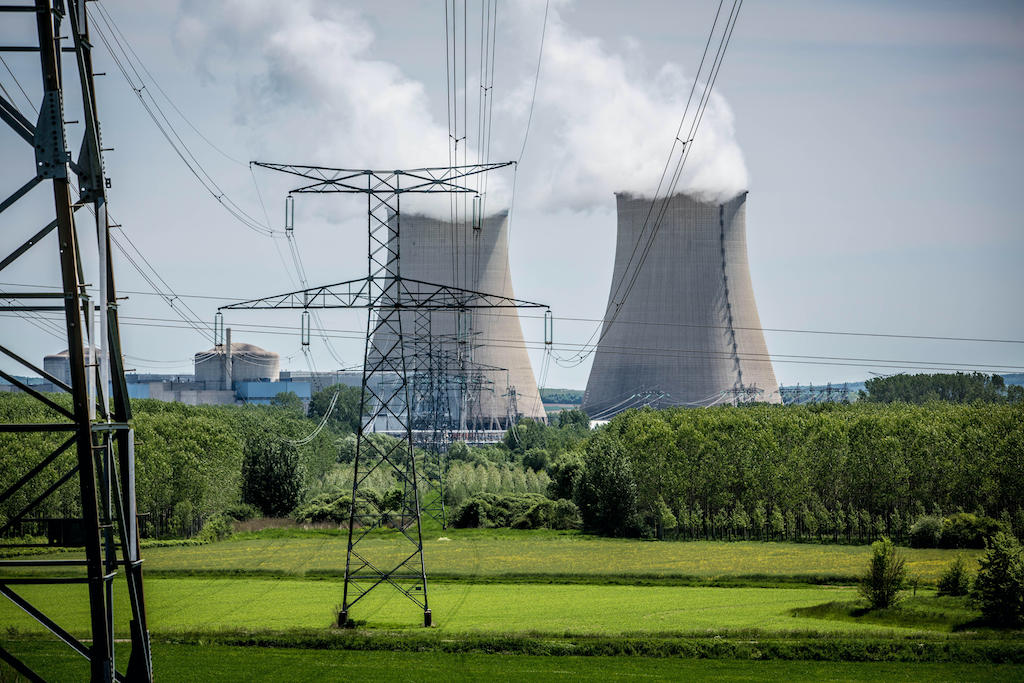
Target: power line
536 80
356 334
845 333
121 55
684 150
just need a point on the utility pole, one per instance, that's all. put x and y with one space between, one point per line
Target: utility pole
387 393
97 427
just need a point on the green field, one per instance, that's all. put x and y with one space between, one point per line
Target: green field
222 663
503 598
496 554
190 604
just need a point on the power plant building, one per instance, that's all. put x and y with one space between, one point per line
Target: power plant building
683 330
485 363
224 365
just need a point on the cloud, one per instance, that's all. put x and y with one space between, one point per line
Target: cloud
608 124
307 89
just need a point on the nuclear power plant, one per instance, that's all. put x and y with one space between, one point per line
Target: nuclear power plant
681 326
223 365
478 354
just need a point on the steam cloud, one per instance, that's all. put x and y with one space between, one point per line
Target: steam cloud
307 89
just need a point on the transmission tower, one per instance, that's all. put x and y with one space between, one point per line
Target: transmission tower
388 296
96 430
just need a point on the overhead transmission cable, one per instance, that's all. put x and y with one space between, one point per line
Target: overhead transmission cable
169 298
121 54
633 352
131 58
643 245
842 333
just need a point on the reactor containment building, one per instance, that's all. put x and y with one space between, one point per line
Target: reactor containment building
681 326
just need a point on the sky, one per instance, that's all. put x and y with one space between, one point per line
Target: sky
880 144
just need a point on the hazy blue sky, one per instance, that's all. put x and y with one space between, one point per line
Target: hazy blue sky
882 143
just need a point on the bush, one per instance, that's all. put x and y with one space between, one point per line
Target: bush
487 510
926 532
956 579
216 528
328 507
270 475
565 472
565 515
183 516
537 517
536 459
886 574
241 512
999 586
967 530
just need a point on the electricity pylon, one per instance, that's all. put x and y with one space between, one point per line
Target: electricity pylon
386 391
96 429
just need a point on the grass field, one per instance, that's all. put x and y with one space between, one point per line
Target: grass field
189 604
505 597
224 663
502 554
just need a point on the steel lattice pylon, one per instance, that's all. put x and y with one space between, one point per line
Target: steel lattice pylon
96 429
387 393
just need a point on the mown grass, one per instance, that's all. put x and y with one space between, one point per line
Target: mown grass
181 662
505 555
930 612
181 604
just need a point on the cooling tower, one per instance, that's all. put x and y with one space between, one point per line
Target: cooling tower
688 333
436 251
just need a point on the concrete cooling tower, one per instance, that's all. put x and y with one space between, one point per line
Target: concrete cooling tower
688 333
498 378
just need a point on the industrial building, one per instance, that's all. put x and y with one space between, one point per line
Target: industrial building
683 329
225 364
59 364
490 381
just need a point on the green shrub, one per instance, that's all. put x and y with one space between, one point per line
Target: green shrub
241 512
886 574
956 580
270 474
183 516
537 517
325 508
536 459
565 515
487 510
967 530
216 528
926 532
999 586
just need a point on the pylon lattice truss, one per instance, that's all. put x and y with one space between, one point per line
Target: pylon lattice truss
387 295
93 441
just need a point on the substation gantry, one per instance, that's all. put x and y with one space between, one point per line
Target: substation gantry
90 438
387 393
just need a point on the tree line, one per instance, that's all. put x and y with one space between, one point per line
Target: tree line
843 472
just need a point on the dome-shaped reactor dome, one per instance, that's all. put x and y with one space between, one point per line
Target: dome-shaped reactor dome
246 362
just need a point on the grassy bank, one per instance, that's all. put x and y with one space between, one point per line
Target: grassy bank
180 662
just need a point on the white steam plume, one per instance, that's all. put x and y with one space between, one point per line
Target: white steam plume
307 90
605 124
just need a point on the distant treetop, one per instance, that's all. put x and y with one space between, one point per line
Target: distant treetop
955 388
